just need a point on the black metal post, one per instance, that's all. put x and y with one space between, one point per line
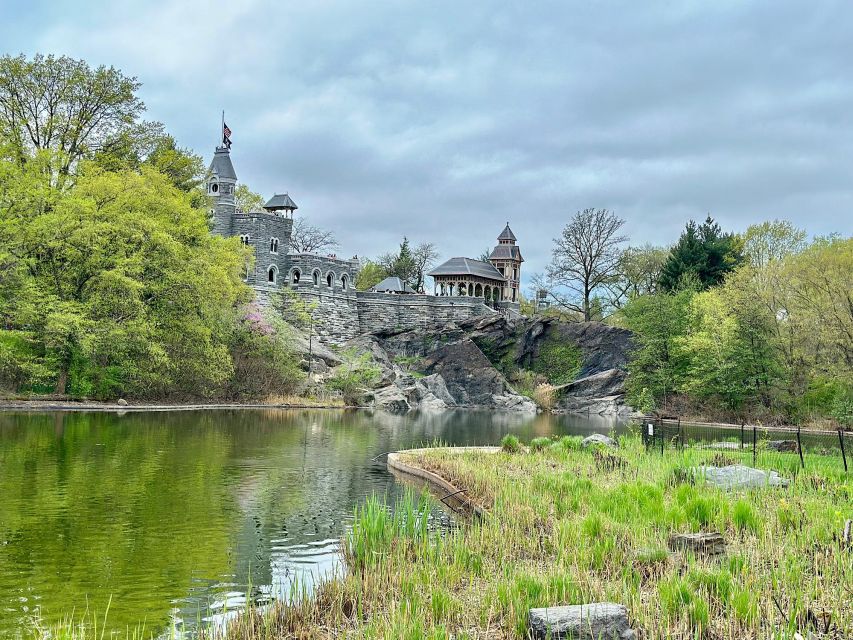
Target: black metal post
680 434
741 434
843 454
754 437
661 436
800 448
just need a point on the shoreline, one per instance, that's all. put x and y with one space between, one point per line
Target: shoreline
71 406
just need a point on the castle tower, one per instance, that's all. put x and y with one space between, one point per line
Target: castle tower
506 257
220 186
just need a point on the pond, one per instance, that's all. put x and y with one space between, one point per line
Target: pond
172 518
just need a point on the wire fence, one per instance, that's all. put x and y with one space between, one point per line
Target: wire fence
779 448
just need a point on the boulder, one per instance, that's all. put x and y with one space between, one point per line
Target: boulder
738 476
601 393
701 544
121 402
596 621
435 385
599 440
391 399
722 446
789 446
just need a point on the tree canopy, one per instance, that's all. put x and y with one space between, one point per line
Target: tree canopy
703 253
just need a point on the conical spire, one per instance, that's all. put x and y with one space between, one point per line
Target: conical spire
507 235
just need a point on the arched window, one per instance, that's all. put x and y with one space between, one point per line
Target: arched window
213 187
295 277
316 278
272 274
273 245
329 279
344 282
244 239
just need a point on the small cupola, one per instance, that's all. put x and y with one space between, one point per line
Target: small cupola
281 202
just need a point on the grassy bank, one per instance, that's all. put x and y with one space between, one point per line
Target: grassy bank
570 526
566 525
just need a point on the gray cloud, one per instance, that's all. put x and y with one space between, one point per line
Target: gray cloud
443 120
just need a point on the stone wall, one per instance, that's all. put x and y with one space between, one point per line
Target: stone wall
389 312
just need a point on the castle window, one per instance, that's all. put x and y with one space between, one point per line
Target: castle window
329 279
316 278
214 188
295 277
273 245
272 274
227 189
244 239
344 282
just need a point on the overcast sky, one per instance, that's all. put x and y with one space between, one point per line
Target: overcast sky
443 120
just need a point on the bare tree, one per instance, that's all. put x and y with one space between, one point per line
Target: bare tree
586 258
306 238
425 255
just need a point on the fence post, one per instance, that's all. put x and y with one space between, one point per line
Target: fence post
741 434
800 448
661 435
680 434
754 436
841 442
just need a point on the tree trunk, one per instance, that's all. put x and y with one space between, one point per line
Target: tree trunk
61 382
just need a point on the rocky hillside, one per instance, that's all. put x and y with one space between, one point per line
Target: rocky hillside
489 360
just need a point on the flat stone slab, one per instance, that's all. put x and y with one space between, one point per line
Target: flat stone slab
704 544
738 476
595 621
599 440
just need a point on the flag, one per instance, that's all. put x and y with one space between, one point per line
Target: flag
226 135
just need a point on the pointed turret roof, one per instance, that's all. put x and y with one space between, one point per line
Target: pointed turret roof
280 201
507 234
221 164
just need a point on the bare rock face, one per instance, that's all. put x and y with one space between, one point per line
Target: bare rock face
471 379
596 621
701 544
738 476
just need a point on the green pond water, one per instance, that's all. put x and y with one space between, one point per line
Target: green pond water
177 518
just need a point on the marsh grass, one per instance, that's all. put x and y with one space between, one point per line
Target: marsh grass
562 528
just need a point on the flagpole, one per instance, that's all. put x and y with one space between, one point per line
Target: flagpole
222 130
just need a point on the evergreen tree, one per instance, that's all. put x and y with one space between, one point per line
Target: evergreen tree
704 254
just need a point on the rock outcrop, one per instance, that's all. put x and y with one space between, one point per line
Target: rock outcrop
466 364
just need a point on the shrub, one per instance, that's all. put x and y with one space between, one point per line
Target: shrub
570 443
357 373
510 444
545 396
539 444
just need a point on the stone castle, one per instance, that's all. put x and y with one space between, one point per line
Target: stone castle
463 287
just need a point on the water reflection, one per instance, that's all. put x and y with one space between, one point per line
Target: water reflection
180 516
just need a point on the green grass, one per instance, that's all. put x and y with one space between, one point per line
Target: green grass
563 527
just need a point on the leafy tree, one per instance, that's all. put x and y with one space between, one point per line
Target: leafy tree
772 242
306 238
585 259
657 365
118 286
369 275
638 273
703 253
247 200
401 264
63 105
730 348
